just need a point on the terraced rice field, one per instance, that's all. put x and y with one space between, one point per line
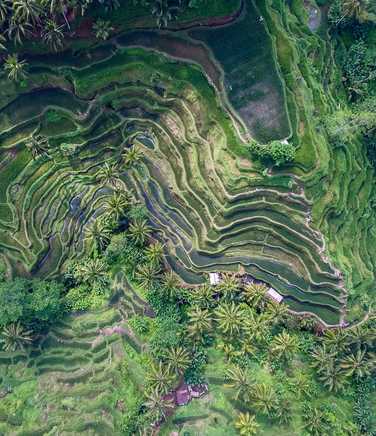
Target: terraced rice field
213 205
77 371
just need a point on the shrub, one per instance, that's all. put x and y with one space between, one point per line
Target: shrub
276 151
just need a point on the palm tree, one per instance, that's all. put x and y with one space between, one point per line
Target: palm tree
160 378
98 235
140 231
171 284
27 11
356 364
332 376
15 68
14 337
102 29
92 272
199 323
246 424
276 311
230 318
256 326
352 9
132 156
157 405
264 399
203 296
321 355
314 421
147 275
154 253
53 35
117 205
164 11
254 294
18 30
229 287
5 7
284 345
37 145
239 381
283 412
109 175
178 359
335 340
2 41
360 335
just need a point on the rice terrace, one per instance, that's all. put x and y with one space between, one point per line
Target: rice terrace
187 217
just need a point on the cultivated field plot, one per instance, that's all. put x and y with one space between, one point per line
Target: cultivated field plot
214 214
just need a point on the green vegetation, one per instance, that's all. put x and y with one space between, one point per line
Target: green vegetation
147 144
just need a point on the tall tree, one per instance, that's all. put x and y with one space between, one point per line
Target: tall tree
98 235
247 424
139 231
178 359
157 405
154 253
229 287
14 337
160 378
147 274
239 381
230 318
254 294
53 35
264 399
132 156
199 323
357 364
284 345
15 68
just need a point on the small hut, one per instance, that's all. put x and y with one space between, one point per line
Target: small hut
214 278
274 295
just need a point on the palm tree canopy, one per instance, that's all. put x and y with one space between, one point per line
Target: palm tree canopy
246 424
230 318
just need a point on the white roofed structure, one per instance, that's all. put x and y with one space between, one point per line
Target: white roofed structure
276 296
214 278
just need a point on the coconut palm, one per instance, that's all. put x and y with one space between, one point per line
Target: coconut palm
157 405
139 231
154 253
352 9
15 68
256 326
314 421
53 35
92 272
239 381
132 156
102 29
2 42
98 235
360 336
14 337
171 284
37 145
264 399
254 294
117 205
246 424
276 311
18 30
335 340
230 318
160 378
165 11
199 323
27 11
178 359
283 412
203 296
229 287
284 345
109 175
356 364
321 355
147 275
5 8
332 376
